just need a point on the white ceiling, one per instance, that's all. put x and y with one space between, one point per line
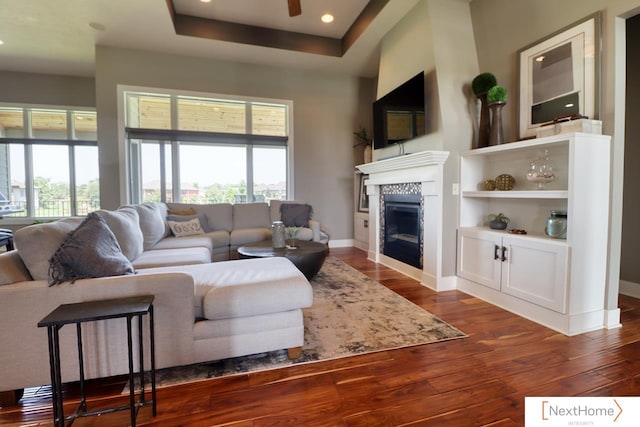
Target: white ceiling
59 37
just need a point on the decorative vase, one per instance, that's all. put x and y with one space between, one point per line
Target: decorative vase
484 128
368 154
497 225
277 235
496 137
541 170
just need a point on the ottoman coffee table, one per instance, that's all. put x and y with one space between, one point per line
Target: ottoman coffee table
307 256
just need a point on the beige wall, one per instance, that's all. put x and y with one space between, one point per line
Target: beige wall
629 266
436 37
44 89
502 27
327 109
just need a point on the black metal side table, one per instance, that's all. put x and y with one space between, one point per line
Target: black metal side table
90 311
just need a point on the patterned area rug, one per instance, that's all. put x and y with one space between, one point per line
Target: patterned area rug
351 314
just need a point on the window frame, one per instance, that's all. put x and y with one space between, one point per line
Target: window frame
174 137
28 141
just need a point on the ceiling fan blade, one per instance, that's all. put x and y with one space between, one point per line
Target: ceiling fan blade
294 7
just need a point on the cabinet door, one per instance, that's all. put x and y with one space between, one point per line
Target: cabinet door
476 257
536 271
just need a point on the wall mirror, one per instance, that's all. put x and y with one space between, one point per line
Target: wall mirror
559 76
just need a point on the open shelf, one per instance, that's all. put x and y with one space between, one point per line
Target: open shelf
518 194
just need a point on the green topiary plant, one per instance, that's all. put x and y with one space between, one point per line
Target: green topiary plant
497 94
483 82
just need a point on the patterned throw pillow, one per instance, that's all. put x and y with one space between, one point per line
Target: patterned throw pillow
204 224
91 250
186 228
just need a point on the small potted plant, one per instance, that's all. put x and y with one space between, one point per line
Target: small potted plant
498 222
480 86
364 140
292 235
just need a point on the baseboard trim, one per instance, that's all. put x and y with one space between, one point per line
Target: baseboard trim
630 289
343 243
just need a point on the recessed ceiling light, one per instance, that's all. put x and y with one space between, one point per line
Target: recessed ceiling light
327 18
205 1
1 42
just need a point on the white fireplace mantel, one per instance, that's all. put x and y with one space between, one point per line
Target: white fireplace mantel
408 161
426 168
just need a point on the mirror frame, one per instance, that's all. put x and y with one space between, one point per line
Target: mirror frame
590 29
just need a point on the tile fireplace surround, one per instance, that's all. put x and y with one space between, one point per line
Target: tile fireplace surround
425 168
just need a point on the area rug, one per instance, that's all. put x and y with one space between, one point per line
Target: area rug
351 314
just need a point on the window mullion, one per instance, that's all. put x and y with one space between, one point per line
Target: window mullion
72 181
175 153
249 130
72 165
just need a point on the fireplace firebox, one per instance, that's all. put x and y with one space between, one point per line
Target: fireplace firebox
402 228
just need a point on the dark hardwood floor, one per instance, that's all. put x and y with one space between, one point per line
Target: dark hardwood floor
474 381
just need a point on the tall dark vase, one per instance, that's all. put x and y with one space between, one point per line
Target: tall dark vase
496 136
484 128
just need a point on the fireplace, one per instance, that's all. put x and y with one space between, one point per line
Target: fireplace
420 176
402 235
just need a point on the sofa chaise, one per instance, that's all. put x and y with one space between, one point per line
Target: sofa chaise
204 310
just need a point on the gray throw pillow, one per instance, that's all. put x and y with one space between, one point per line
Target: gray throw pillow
91 250
295 214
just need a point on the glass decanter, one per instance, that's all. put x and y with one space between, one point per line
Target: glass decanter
541 170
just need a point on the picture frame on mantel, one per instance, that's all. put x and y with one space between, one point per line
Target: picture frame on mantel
559 76
363 199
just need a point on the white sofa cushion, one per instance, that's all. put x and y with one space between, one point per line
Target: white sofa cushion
125 225
249 235
36 243
251 215
219 215
12 269
201 240
152 222
171 257
257 286
246 287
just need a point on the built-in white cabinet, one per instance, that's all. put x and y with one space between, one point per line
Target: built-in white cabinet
531 269
559 283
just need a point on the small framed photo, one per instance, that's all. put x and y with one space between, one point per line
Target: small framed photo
363 199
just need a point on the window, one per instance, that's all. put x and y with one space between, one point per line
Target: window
198 149
48 162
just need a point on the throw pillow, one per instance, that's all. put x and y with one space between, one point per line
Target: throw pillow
91 250
36 243
186 228
183 212
151 222
125 225
184 218
295 214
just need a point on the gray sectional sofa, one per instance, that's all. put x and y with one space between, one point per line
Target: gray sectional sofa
208 305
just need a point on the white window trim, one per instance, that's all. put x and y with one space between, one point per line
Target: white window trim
27 220
123 159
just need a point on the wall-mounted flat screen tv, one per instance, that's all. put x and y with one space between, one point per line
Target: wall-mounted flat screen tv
399 115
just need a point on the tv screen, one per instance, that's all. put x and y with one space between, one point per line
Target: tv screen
399 115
